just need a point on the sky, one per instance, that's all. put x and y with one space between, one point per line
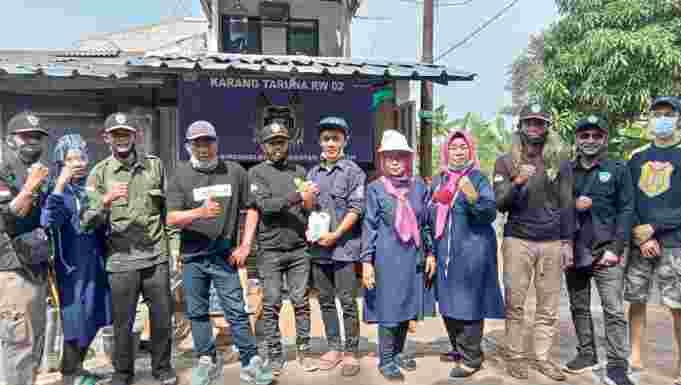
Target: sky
393 31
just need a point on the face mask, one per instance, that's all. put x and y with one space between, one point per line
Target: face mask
204 165
663 127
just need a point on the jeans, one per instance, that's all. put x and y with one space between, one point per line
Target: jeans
466 337
609 282
333 280
273 267
154 285
197 275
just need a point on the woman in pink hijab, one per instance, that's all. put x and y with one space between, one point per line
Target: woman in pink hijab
396 252
465 245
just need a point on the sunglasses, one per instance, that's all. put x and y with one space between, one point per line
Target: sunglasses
594 136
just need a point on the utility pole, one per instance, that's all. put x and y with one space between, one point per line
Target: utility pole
426 113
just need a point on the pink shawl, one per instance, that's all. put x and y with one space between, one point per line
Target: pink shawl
453 177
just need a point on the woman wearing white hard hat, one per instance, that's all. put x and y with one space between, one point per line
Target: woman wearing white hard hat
397 261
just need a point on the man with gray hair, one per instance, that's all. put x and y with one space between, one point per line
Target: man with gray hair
205 197
24 253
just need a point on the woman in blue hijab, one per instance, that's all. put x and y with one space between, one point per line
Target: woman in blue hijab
85 296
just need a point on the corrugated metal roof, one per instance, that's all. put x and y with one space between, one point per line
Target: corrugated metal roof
367 68
63 64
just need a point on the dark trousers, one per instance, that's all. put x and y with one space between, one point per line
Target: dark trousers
609 282
333 280
273 267
391 341
198 273
72 358
466 337
154 285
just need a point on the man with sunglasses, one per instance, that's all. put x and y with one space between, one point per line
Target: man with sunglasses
604 204
657 226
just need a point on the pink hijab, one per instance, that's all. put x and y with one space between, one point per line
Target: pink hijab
453 176
406 224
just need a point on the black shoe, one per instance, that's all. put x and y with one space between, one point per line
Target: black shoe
617 376
167 378
405 362
121 379
462 371
580 364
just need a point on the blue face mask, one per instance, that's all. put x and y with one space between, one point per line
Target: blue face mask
664 126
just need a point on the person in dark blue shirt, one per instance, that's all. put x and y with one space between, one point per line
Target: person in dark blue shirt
341 195
656 173
604 207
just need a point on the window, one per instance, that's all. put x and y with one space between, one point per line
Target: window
302 37
241 34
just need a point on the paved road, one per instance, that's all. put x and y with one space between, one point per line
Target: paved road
430 339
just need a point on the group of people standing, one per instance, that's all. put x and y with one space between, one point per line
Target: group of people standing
118 232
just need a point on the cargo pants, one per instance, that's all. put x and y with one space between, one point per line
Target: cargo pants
23 312
523 260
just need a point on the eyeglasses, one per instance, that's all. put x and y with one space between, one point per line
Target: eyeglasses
592 135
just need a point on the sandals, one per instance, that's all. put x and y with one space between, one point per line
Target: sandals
350 366
327 361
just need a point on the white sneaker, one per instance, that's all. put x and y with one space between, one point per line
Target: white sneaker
256 373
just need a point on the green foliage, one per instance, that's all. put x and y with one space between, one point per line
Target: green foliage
610 57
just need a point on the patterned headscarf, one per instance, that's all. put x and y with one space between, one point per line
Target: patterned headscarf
65 144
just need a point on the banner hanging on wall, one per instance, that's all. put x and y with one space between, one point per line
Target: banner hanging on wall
239 107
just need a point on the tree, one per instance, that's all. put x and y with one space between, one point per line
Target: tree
526 68
610 57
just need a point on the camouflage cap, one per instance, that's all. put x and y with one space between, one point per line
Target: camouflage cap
274 130
535 111
25 121
592 121
120 120
672 101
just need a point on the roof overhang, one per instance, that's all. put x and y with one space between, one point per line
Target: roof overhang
296 66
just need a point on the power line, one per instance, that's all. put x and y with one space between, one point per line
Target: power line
477 30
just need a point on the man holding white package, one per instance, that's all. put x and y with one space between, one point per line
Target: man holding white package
335 249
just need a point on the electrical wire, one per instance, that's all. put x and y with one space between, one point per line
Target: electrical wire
477 30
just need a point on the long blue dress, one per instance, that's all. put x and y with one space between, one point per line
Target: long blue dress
470 290
85 295
400 293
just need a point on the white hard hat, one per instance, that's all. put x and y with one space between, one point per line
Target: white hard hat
394 140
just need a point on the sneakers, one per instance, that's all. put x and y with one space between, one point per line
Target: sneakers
81 379
517 369
580 364
306 362
257 373
617 376
275 366
550 370
206 371
405 362
391 372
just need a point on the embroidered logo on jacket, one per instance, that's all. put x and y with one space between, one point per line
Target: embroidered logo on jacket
655 178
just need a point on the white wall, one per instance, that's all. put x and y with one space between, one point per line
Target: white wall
334 25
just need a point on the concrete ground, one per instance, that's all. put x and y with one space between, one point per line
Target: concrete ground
429 340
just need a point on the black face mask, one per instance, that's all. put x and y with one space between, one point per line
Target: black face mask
30 153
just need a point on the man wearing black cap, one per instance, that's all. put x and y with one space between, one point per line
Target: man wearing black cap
205 197
283 200
537 239
655 171
604 204
24 255
334 253
126 192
